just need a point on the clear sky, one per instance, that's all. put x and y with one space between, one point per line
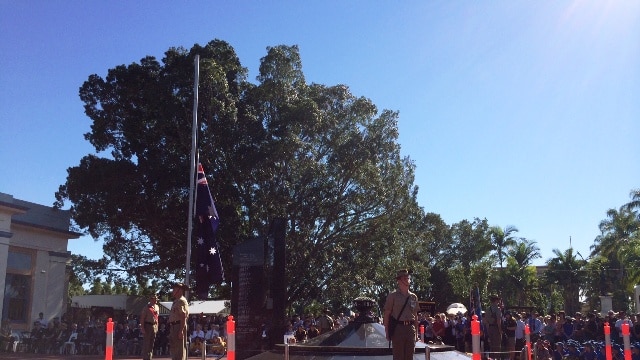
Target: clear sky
526 113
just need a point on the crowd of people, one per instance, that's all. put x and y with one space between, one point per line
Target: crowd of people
209 330
555 336
89 337
300 329
57 336
201 329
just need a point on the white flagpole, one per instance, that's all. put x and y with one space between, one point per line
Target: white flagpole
192 177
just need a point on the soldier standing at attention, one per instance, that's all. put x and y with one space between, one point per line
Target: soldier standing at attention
149 322
178 322
494 326
402 304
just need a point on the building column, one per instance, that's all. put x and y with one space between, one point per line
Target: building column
4 256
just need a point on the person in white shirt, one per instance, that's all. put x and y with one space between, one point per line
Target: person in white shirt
212 332
198 333
342 320
43 322
519 331
622 319
196 339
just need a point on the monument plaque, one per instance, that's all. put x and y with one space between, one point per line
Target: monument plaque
248 295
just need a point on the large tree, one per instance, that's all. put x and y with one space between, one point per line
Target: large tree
470 242
463 262
320 157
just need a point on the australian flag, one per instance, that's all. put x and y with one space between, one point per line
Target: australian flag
207 250
475 303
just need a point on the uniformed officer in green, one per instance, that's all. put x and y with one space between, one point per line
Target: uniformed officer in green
178 322
149 322
493 320
402 304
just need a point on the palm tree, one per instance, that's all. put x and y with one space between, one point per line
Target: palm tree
615 231
631 255
615 242
524 252
567 272
618 245
600 279
501 240
519 276
635 201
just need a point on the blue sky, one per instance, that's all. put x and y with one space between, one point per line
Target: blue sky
525 113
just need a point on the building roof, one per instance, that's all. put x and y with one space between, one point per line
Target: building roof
38 216
129 303
208 307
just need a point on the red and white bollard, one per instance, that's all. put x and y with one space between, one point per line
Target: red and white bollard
231 338
625 339
527 339
108 351
607 341
475 338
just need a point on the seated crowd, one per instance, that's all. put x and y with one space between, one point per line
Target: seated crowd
300 329
89 338
55 337
208 330
553 337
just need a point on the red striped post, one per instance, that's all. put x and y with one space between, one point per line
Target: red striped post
607 341
475 338
231 338
527 338
627 342
108 351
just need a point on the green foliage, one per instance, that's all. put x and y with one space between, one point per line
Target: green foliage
96 287
324 159
471 242
519 278
566 271
76 279
314 308
555 301
463 279
501 240
613 266
519 282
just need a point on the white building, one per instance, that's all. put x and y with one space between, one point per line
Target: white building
33 261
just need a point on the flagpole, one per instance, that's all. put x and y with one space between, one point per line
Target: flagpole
192 174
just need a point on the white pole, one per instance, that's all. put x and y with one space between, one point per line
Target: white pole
192 173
